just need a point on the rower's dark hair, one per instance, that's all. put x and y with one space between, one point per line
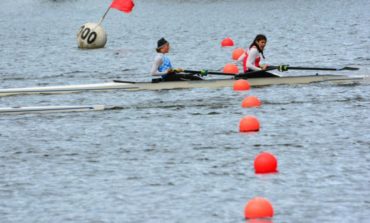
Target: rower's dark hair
161 42
259 37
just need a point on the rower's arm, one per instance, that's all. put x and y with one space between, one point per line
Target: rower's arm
253 53
239 61
241 58
157 63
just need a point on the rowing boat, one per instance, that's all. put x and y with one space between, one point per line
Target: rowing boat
49 109
211 83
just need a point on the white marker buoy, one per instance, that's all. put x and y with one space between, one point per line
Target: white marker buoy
91 36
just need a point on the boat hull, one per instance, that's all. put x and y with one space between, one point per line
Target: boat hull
140 86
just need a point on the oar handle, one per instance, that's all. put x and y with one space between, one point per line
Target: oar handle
250 73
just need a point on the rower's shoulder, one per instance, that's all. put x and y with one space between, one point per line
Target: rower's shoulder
158 56
253 49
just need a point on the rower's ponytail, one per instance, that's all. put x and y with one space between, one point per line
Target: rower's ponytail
254 43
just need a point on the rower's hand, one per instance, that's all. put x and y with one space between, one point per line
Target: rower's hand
282 68
178 70
174 71
264 66
203 73
170 71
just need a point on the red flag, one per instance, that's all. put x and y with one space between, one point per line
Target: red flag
123 5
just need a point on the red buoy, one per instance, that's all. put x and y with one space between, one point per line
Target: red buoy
227 42
249 124
251 101
265 163
231 68
258 207
237 53
241 85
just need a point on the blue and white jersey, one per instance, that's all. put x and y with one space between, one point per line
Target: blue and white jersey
161 65
166 64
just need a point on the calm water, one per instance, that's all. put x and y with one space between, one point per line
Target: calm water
177 156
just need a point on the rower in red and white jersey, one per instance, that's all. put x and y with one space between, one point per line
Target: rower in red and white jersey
252 57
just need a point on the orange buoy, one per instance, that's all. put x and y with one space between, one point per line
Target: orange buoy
231 68
237 53
249 124
241 85
251 101
265 163
227 42
258 207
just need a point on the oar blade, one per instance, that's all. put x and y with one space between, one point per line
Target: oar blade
350 68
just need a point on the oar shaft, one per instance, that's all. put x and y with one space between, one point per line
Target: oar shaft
209 72
321 68
232 74
312 68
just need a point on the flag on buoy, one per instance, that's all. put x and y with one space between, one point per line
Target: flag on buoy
125 6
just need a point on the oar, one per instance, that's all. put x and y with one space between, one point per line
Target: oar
257 73
287 67
227 74
280 68
240 75
208 72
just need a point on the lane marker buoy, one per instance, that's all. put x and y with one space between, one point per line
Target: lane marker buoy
265 163
237 53
241 85
249 124
227 42
258 207
251 101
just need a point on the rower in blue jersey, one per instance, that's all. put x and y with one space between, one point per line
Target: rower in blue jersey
162 65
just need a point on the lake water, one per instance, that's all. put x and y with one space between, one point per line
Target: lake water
177 156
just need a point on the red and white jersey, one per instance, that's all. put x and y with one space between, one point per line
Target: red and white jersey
251 59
